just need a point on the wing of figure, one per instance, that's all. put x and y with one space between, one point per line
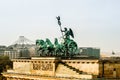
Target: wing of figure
71 33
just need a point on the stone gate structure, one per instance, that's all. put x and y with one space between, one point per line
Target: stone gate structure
52 68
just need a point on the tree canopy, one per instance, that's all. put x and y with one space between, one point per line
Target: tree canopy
5 63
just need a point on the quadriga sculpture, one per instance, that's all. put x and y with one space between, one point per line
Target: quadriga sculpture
67 48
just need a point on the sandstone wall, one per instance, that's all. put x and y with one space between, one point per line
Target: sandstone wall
110 69
22 67
87 66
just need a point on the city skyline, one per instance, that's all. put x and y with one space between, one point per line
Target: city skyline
95 23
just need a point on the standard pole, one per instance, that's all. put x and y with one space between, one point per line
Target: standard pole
59 23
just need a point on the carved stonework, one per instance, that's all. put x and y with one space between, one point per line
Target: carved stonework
43 66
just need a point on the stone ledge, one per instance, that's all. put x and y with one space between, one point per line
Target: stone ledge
18 75
45 58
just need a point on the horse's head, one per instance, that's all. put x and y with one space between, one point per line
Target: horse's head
49 43
37 41
40 42
56 41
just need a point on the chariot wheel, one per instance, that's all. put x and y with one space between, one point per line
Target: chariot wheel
72 47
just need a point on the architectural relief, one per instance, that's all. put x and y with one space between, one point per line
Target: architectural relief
43 66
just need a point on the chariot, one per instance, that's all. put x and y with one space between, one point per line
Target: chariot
67 48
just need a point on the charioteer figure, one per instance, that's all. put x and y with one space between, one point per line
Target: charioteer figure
69 45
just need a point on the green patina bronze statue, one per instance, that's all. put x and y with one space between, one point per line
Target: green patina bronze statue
67 48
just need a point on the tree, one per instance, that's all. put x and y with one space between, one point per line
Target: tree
5 63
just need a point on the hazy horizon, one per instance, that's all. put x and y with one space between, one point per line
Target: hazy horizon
95 23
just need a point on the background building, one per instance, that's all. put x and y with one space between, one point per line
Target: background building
2 49
12 54
89 51
24 47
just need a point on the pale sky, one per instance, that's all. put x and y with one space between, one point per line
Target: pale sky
95 23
